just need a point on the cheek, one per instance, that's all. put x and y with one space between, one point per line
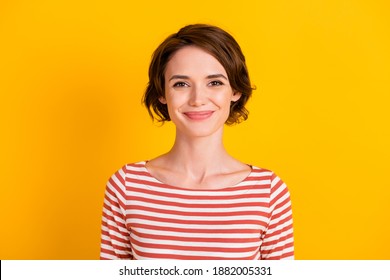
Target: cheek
174 103
224 100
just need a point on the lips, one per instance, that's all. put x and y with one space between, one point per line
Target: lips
198 115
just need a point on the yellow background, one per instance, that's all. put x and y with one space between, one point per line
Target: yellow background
72 74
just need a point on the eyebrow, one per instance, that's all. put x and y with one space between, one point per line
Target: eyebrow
184 77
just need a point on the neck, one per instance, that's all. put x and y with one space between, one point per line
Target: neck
199 156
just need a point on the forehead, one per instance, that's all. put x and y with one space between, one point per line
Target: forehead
194 60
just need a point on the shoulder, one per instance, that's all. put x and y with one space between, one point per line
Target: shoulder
261 173
267 175
134 167
276 188
126 171
130 168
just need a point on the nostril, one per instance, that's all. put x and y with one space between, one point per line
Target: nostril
197 98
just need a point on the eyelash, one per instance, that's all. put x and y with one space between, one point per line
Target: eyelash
216 83
212 83
180 84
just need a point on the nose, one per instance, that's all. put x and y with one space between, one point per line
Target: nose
197 97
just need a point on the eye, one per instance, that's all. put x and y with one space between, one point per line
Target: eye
180 84
216 83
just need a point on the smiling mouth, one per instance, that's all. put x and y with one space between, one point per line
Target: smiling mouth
198 116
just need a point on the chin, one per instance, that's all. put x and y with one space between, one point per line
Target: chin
200 132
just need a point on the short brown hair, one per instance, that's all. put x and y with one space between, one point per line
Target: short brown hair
216 42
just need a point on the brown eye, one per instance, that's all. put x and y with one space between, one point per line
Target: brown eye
216 83
180 84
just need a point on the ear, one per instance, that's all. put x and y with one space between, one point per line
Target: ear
236 96
162 100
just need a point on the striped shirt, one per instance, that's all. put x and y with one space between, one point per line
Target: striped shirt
144 218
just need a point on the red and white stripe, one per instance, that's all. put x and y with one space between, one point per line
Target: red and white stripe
146 219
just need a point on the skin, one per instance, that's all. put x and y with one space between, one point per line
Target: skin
198 95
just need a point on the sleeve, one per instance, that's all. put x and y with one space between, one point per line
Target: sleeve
278 240
115 237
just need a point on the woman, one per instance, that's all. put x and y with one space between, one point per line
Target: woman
197 201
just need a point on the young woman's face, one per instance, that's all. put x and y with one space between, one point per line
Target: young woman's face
197 92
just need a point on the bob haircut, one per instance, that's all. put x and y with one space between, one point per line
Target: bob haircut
217 43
